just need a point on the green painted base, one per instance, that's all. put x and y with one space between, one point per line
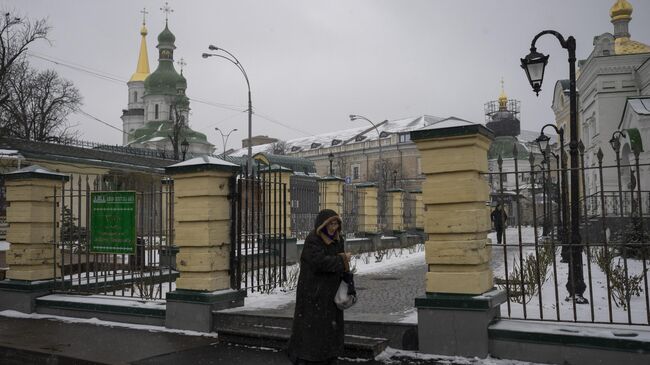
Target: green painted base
202 297
27 285
485 301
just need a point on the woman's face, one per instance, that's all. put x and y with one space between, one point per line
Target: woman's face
332 227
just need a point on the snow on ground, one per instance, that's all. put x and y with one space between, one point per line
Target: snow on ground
365 263
98 322
390 355
552 301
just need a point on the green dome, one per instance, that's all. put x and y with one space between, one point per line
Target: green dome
160 131
166 36
165 80
504 146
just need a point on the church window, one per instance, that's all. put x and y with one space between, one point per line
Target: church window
135 96
295 148
359 138
383 134
336 142
355 171
155 112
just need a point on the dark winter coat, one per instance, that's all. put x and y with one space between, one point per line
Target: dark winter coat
317 333
499 218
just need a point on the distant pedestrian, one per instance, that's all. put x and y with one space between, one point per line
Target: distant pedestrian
499 218
317 335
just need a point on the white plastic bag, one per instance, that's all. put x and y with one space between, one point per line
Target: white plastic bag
342 299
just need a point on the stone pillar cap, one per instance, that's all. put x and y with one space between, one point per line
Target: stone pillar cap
202 163
395 190
35 172
366 185
455 129
331 178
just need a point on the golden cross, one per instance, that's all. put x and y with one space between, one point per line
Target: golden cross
144 14
502 83
166 9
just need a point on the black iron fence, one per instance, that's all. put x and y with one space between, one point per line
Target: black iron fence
352 199
410 212
259 230
603 278
304 204
147 273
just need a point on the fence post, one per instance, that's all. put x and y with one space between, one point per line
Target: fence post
202 221
460 301
367 218
331 190
33 217
395 210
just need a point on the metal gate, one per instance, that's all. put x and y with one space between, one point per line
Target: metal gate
146 274
304 204
259 230
352 198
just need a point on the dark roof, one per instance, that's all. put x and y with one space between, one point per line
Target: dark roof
99 155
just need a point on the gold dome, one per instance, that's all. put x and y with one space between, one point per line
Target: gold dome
625 45
621 10
143 30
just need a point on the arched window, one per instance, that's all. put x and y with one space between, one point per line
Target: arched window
156 112
135 96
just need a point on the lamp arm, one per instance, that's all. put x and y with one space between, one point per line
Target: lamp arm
235 62
563 42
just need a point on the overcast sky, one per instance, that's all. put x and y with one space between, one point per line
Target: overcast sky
312 63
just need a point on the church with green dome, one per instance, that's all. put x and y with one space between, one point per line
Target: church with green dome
157 115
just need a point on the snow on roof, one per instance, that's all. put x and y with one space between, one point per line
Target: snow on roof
347 136
204 160
640 105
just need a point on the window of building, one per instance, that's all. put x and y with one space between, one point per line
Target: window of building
404 137
295 148
355 171
359 138
418 162
135 96
384 134
315 145
155 113
336 142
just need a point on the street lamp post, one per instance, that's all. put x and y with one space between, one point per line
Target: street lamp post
354 117
543 142
534 64
185 145
224 139
615 142
230 57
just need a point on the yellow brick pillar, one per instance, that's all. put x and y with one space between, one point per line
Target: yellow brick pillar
277 183
202 225
32 215
367 217
331 193
419 210
460 300
395 209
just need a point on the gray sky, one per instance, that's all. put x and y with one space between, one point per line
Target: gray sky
312 63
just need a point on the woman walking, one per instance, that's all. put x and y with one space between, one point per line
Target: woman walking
317 335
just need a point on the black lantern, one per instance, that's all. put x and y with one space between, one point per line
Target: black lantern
185 145
615 141
542 142
534 64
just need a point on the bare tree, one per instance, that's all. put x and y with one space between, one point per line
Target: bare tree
37 104
178 125
278 148
16 34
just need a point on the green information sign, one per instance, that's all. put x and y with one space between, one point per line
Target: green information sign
112 222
